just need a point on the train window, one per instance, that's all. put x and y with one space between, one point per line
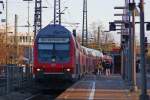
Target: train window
62 56
84 52
48 48
62 46
44 55
45 46
76 44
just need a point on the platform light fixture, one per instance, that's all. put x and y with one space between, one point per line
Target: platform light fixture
112 26
1 2
148 27
132 6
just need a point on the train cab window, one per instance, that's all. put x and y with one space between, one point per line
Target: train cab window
57 49
62 52
45 46
45 52
62 56
62 46
44 56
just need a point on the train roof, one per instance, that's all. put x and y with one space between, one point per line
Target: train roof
93 52
98 53
54 30
86 49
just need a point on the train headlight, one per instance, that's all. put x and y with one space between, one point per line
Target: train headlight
38 69
68 70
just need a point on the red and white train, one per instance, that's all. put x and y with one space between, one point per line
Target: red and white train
58 55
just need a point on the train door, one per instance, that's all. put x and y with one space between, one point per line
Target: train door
77 71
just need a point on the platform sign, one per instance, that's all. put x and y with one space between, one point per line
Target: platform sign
3 20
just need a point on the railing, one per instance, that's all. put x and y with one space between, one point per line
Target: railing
14 78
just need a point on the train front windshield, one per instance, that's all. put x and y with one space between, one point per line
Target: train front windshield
53 50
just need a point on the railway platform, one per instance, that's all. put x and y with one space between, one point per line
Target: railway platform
99 88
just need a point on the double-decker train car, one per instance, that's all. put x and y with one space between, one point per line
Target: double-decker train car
92 57
58 55
97 58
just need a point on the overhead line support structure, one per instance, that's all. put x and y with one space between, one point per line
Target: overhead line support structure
57 12
37 16
85 25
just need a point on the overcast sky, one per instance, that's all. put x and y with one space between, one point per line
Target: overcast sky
98 11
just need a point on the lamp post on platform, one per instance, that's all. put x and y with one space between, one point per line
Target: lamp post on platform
132 46
143 95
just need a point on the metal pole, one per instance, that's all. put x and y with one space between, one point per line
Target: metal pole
40 14
133 50
83 24
37 17
123 55
8 79
86 26
98 37
16 38
28 35
29 29
59 13
6 28
143 95
54 12
128 62
130 52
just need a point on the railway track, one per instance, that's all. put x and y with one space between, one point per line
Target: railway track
49 92
41 97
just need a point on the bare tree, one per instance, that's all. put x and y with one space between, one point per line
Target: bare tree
102 39
95 29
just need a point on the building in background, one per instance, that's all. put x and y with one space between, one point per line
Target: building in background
17 49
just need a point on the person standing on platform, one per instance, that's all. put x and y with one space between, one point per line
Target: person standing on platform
104 66
108 68
97 67
100 68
